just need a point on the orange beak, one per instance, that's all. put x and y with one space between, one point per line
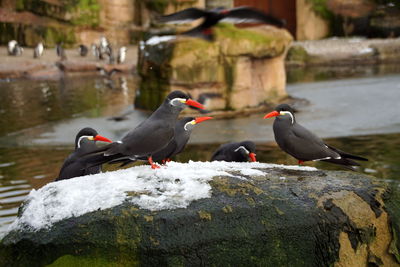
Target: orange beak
252 157
201 119
193 103
272 114
102 138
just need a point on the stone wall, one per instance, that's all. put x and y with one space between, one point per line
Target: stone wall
242 68
310 26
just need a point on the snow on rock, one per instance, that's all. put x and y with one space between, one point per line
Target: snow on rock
170 187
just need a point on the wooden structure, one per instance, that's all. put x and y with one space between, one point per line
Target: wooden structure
284 9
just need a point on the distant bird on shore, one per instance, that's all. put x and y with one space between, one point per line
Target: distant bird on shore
76 164
236 152
60 51
121 55
212 17
38 51
183 130
150 136
302 144
83 50
10 47
95 51
17 50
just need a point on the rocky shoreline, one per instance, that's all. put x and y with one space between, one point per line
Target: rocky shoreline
327 52
50 67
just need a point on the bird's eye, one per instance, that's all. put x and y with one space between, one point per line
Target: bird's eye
177 101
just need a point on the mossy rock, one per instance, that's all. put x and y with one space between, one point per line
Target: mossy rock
195 63
281 217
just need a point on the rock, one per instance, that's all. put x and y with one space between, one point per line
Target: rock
254 215
244 66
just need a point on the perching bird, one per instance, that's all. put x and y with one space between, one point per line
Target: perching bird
151 135
212 17
10 47
38 51
237 152
17 50
60 51
302 144
76 165
95 51
183 130
83 50
121 55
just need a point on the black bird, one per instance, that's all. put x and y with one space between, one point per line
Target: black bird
83 50
38 51
212 17
237 152
76 164
183 130
17 50
60 51
302 144
151 135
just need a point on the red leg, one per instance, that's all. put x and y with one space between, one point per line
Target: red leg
153 165
168 160
301 162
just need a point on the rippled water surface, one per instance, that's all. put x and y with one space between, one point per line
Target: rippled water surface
39 120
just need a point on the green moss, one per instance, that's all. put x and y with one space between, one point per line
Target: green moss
297 53
321 9
204 215
84 12
226 30
69 260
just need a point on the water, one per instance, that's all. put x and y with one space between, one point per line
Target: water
39 120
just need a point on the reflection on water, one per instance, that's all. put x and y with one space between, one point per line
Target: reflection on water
32 167
323 73
26 103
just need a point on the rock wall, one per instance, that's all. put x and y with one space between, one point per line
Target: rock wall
270 216
310 26
241 68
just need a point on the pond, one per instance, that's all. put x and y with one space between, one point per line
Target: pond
39 120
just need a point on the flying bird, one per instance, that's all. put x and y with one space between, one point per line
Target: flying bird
212 17
152 135
76 164
236 152
302 144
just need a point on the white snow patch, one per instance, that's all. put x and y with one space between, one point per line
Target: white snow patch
159 39
173 186
252 172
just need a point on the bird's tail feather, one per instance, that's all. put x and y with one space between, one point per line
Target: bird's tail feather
347 155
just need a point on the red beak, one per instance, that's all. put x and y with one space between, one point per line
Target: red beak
102 138
193 103
272 114
201 119
252 157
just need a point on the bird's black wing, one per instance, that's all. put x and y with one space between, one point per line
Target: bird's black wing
219 153
183 16
345 154
248 14
304 145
